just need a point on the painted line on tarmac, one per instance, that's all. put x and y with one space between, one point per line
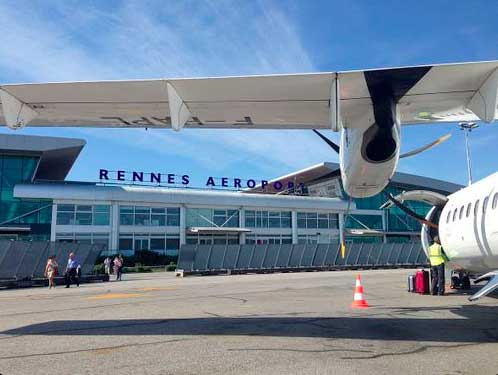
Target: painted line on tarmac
152 289
116 296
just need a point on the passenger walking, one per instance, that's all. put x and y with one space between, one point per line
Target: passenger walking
437 258
72 271
120 270
117 267
107 266
51 270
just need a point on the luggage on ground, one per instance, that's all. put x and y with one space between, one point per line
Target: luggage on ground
422 282
411 283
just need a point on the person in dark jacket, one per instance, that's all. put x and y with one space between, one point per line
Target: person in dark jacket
72 271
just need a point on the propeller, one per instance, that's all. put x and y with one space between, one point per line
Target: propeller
417 151
410 212
437 142
328 141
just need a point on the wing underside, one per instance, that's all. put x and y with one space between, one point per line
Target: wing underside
442 93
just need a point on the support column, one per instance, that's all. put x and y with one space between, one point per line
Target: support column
341 227
384 227
242 224
294 228
54 222
114 227
183 225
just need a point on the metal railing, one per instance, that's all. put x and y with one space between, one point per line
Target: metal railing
25 260
271 257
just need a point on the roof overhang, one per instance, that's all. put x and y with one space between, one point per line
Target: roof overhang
7 229
188 197
57 155
217 230
364 232
327 171
306 176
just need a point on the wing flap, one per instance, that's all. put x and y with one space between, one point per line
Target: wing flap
292 101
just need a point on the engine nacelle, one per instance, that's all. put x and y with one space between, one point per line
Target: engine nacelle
369 152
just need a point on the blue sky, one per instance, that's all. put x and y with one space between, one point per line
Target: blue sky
93 40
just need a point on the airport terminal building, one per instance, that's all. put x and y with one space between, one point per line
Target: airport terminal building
38 203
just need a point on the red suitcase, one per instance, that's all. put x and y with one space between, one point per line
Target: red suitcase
422 282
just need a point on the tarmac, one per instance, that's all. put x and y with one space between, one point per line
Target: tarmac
292 323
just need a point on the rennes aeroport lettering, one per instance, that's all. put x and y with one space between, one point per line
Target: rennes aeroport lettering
184 180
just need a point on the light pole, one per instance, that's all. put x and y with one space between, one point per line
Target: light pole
467 128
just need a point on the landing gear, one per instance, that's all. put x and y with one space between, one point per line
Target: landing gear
459 280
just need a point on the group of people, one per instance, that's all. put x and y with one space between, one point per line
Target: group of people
71 274
114 266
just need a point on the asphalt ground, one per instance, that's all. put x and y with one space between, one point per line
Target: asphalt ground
298 323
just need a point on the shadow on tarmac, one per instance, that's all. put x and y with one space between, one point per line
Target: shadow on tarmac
477 324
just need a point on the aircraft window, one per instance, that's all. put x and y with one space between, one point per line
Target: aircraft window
455 213
484 205
476 208
495 200
460 215
468 209
448 217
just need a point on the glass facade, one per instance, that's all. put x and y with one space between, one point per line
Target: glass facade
314 220
76 214
396 219
268 219
364 239
261 239
211 217
160 242
87 238
317 238
149 216
213 239
364 222
15 169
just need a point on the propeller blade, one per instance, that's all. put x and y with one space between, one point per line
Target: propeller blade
426 147
328 141
410 212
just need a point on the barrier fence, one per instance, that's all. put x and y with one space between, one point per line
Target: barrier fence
271 257
26 260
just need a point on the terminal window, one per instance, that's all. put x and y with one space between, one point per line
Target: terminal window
209 217
71 214
268 219
314 220
149 216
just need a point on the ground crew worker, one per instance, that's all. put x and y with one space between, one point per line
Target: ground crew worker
437 258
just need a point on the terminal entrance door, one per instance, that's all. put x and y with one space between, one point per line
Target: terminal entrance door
141 242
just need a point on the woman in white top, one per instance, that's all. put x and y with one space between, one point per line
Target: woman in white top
51 271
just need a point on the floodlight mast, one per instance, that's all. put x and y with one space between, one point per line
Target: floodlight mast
467 128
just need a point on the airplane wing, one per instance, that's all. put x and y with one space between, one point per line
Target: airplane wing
425 94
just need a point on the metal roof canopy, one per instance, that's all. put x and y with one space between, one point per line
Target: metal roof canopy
7 229
364 232
216 230
191 198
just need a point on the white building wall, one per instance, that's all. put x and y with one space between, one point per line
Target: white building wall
216 201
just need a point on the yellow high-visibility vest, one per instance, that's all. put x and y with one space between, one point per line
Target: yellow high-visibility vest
436 256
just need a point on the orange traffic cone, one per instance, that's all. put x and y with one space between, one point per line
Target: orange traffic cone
359 301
